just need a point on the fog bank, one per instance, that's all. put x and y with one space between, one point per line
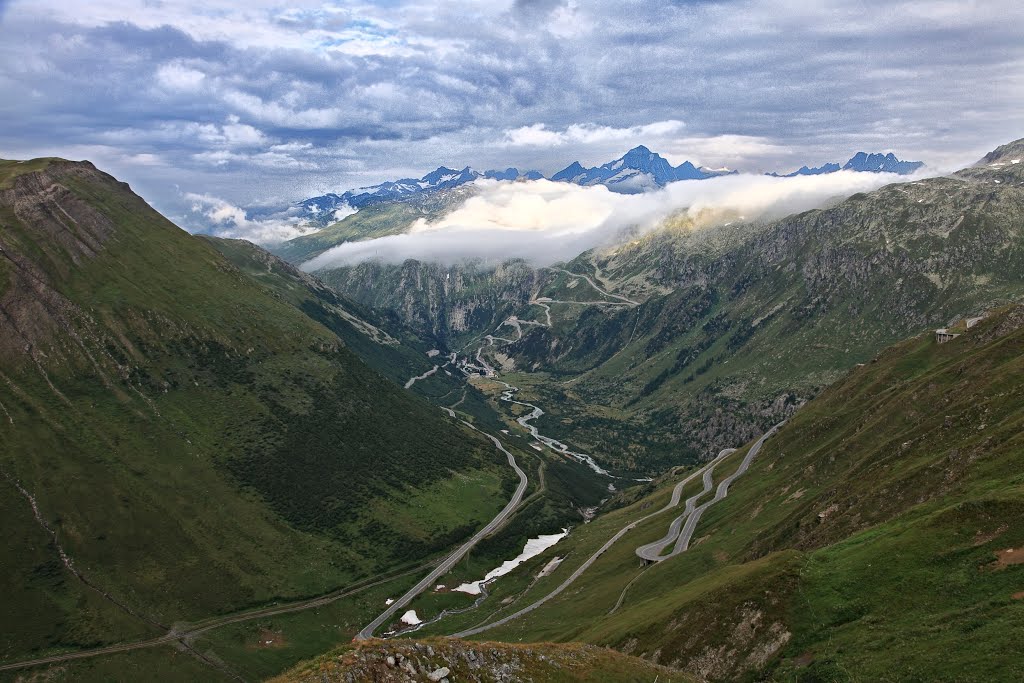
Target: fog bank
545 222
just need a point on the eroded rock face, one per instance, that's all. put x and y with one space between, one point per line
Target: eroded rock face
42 212
444 302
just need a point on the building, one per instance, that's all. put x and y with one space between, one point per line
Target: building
944 334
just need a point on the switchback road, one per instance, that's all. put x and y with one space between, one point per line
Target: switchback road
723 490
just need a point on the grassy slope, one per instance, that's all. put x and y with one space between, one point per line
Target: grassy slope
376 220
382 342
862 544
198 444
372 221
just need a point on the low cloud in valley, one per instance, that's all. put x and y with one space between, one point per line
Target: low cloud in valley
545 222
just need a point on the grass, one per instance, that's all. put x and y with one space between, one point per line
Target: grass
164 664
861 545
200 444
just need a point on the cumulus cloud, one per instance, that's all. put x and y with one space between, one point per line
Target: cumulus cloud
366 92
227 220
545 222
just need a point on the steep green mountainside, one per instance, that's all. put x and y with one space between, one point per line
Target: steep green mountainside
379 338
878 536
375 220
179 439
480 663
737 324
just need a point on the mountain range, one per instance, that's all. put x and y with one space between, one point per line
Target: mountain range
215 466
638 170
863 162
323 209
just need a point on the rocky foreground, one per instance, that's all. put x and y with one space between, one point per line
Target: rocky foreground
443 660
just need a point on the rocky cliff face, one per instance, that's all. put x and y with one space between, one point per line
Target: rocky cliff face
448 303
67 232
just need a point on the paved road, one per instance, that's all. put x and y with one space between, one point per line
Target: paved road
594 285
653 551
445 566
428 373
683 542
186 634
677 493
723 490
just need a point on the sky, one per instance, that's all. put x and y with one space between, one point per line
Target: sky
213 107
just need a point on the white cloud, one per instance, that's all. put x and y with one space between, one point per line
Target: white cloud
722 150
180 78
539 135
279 115
232 221
545 222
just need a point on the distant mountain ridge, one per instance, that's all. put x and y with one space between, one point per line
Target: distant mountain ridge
638 170
323 209
863 162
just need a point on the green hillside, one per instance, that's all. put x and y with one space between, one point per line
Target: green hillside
878 536
194 441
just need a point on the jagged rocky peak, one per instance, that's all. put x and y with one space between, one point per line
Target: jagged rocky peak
1010 153
571 171
881 163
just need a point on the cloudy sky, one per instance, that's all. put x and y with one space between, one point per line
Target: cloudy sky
211 105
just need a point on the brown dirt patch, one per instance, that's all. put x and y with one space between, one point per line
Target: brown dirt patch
804 660
270 640
721 556
981 537
1019 595
1005 558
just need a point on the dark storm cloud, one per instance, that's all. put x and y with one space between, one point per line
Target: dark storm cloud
254 104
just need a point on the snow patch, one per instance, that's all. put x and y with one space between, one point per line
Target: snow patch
411 618
533 547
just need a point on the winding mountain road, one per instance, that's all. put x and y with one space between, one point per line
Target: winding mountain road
722 492
445 566
653 551
683 542
596 288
